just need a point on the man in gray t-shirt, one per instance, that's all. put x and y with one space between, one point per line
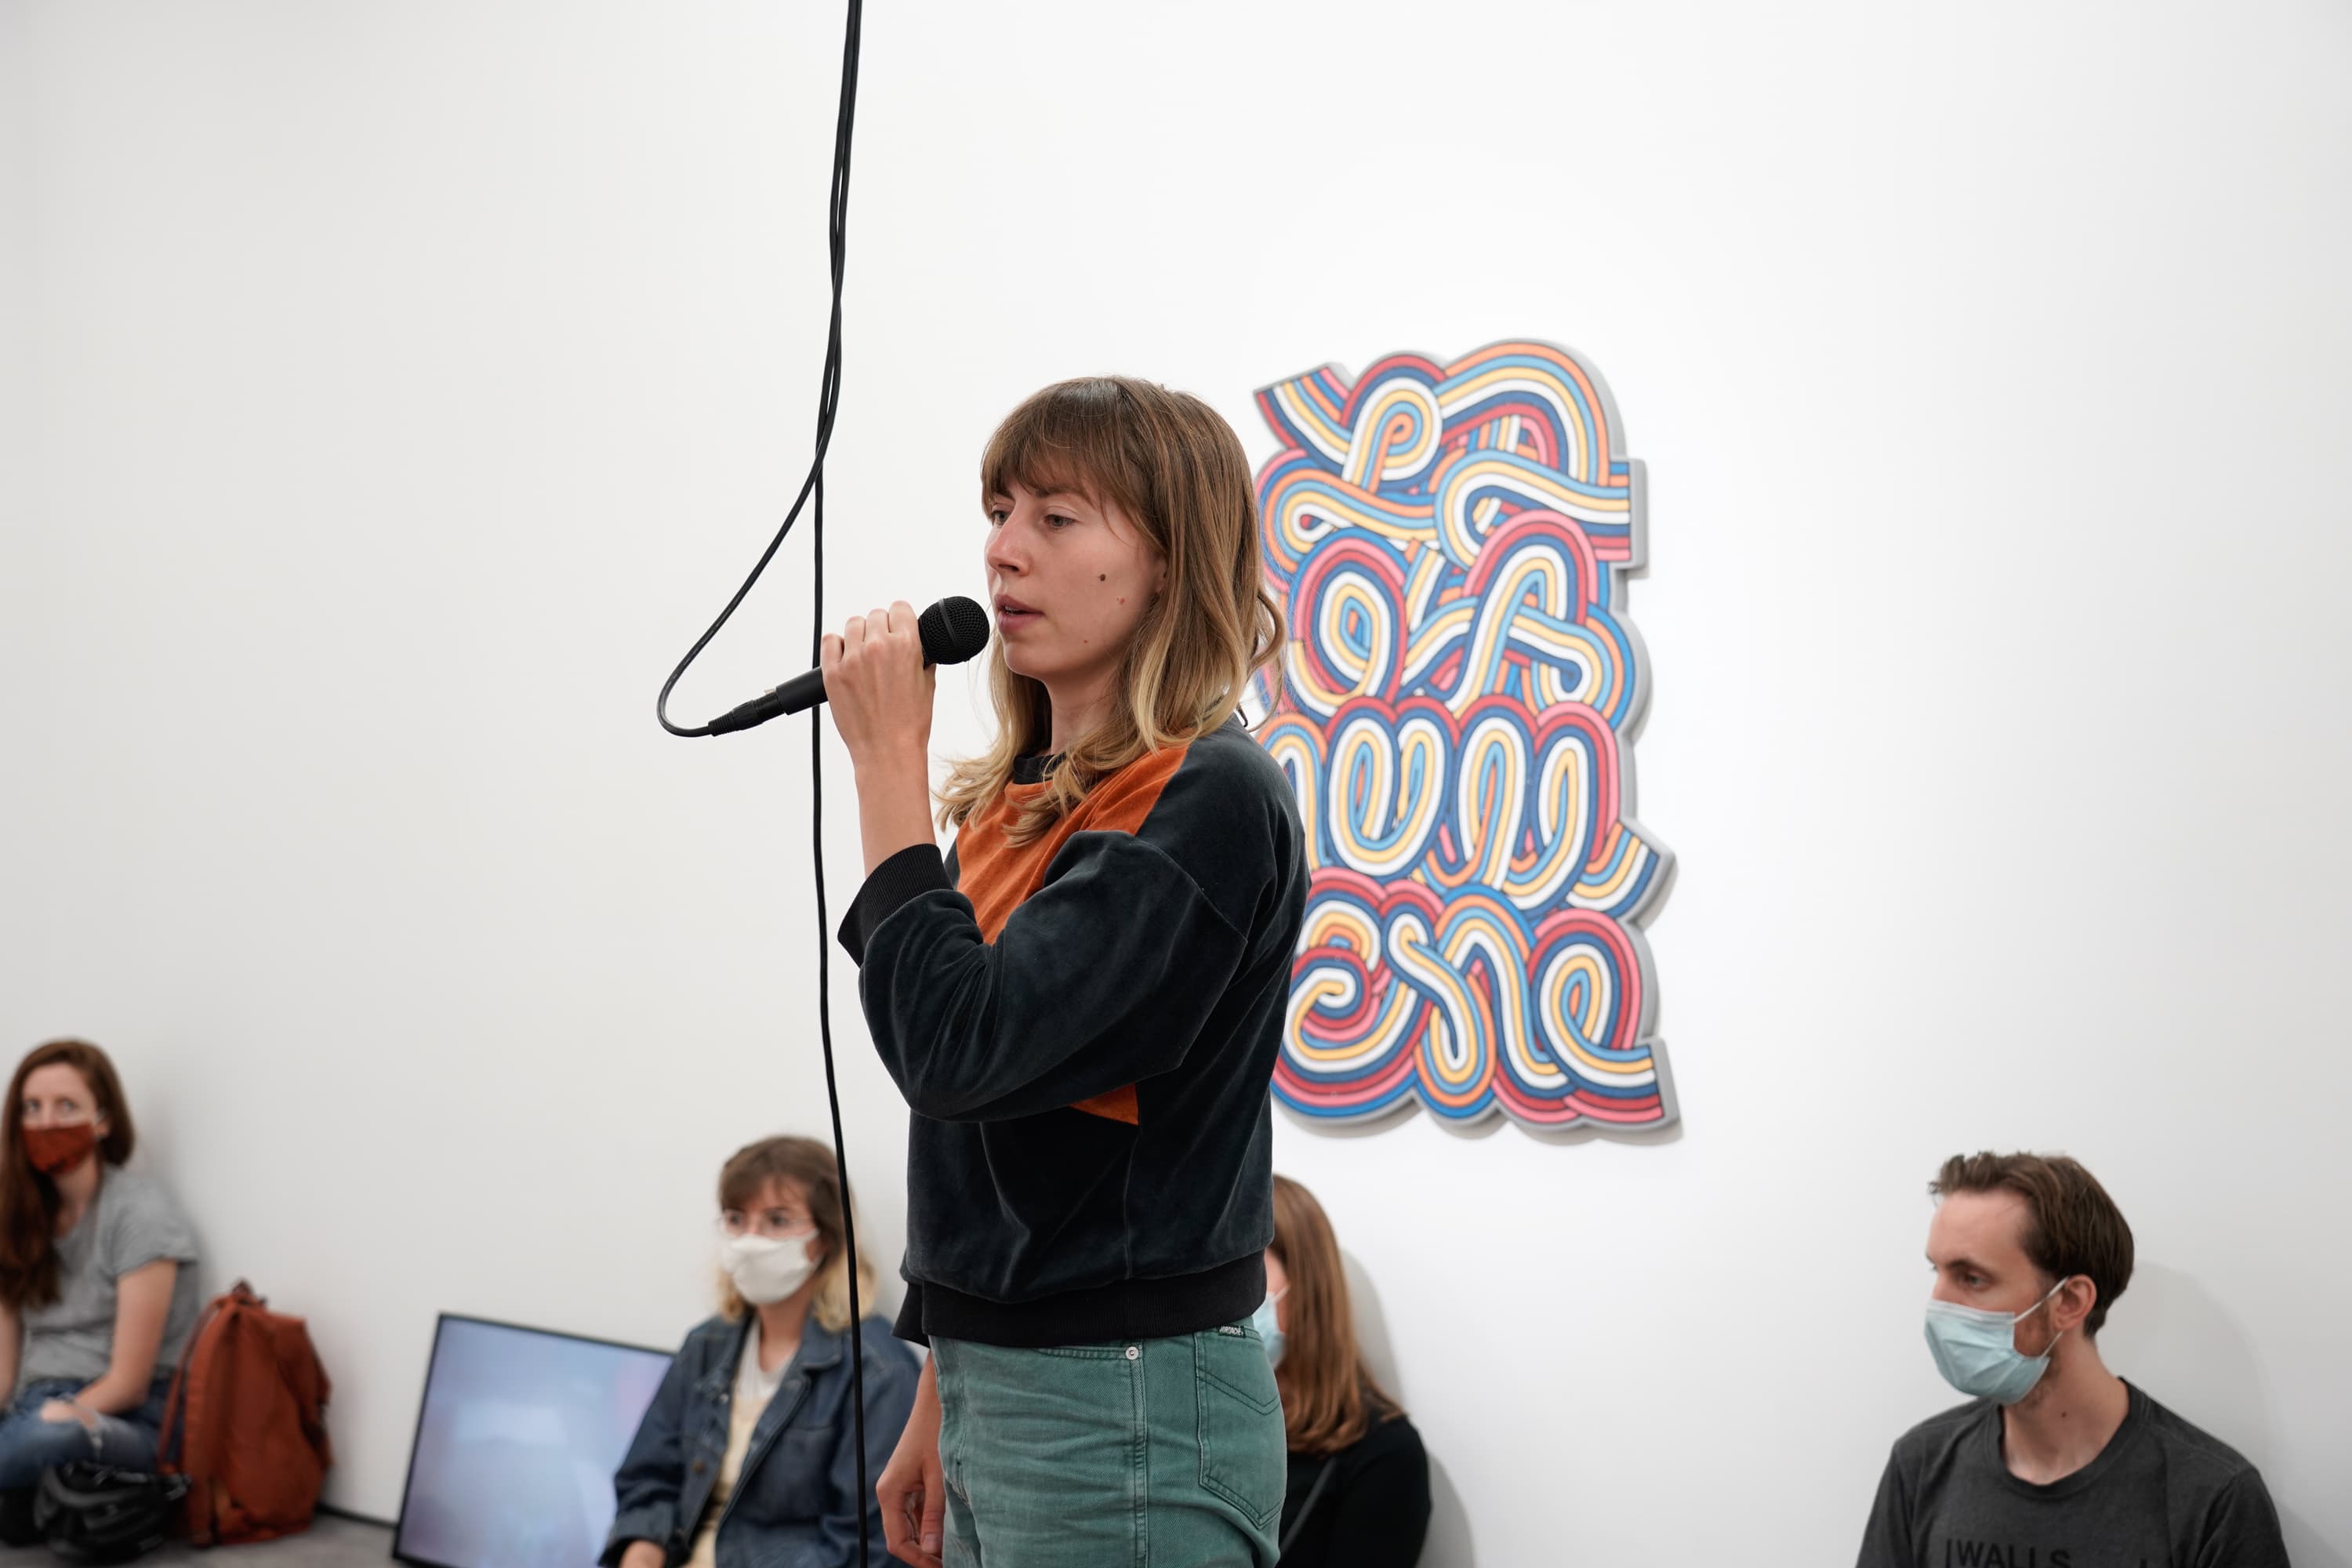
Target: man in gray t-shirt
2057 1462
131 1223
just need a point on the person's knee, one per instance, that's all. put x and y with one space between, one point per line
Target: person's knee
29 1445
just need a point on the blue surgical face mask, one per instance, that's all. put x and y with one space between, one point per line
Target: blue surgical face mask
1977 1351
1268 1326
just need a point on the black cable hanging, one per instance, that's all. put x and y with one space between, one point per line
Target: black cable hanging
812 488
829 386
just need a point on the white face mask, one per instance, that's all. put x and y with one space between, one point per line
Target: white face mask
767 1269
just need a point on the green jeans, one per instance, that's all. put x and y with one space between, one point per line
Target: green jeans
1154 1454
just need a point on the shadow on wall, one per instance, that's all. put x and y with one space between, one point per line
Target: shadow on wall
2305 1548
2173 1339
1448 1545
1484 1127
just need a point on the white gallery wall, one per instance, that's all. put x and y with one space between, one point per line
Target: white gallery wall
389 392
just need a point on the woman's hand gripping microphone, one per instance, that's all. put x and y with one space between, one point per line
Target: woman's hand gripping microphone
879 691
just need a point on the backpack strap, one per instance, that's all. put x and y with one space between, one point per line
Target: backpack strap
173 1431
189 1446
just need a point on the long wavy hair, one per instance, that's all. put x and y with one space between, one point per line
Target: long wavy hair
1330 1397
28 1200
1176 470
808 1165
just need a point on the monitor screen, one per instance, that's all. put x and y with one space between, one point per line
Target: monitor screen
517 1444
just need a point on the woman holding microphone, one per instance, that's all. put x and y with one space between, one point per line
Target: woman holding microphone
1082 1003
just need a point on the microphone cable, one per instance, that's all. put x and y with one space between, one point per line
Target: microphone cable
828 406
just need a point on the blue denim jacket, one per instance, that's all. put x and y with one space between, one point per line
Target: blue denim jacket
791 1507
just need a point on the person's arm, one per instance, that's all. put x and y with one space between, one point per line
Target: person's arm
12 1347
913 1491
143 1299
651 1473
2242 1530
1381 1517
890 1397
1886 1539
894 804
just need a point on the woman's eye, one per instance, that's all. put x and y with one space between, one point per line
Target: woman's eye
1056 520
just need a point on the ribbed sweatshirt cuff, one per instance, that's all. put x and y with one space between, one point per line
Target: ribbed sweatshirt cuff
913 872
909 1323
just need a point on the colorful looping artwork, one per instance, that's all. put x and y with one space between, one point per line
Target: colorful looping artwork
1455 708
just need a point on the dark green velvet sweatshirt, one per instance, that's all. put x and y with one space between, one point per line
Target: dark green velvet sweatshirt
1083 1027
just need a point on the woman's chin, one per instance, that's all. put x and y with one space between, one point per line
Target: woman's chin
1023 662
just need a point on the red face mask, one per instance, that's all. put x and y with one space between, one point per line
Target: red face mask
54 1151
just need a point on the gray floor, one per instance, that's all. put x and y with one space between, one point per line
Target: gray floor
328 1543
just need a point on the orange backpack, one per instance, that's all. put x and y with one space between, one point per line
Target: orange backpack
246 1423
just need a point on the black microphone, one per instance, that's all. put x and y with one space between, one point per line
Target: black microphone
952 630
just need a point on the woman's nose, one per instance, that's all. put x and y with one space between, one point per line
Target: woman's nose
1003 554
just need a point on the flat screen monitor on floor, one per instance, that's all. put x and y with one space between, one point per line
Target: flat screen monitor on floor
516 1445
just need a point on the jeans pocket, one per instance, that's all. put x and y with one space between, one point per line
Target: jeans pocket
1243 1453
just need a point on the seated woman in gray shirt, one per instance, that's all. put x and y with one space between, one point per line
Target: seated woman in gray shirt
97 1287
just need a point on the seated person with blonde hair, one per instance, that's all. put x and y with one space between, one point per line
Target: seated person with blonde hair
2054 1460
747 1455
1358 1482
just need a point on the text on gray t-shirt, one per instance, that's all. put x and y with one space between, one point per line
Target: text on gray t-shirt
2161 1494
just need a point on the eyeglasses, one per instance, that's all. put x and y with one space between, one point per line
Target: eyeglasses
773 1223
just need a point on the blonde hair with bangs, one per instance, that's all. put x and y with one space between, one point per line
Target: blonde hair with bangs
1176 470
